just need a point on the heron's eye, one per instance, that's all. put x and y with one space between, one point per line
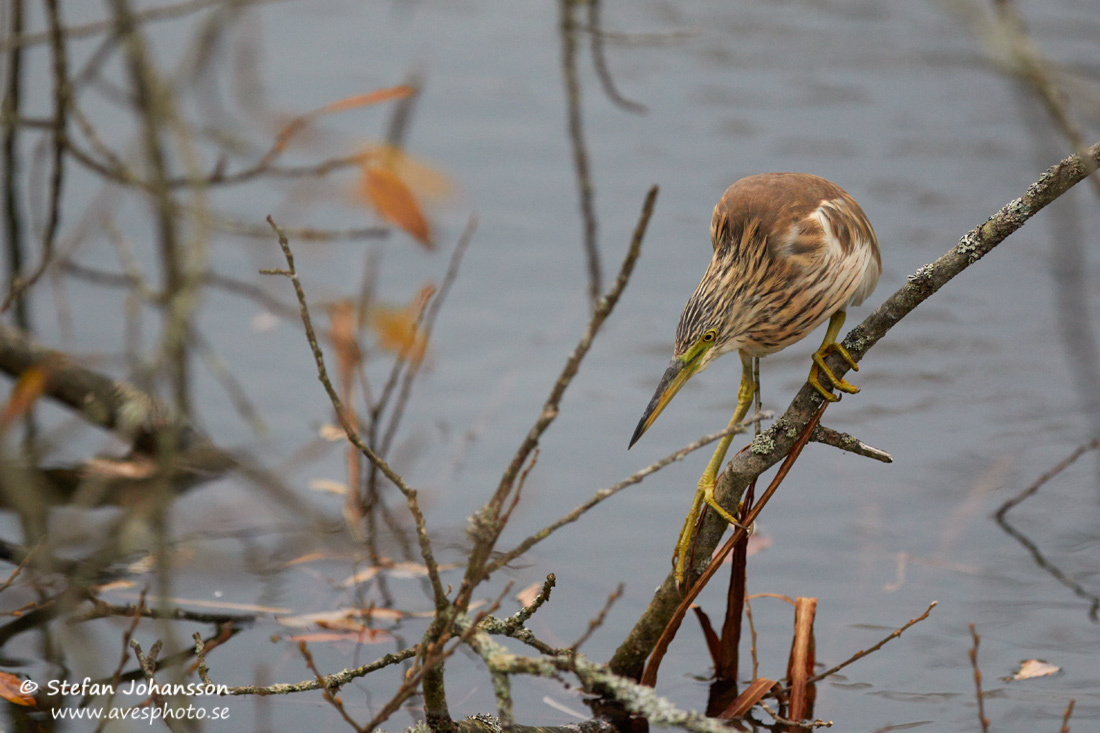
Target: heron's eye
709 336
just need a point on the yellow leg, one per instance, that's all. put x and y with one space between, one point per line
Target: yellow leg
829 345
705 490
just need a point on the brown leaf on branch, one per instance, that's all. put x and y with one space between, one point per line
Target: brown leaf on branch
344 323
341 619
362 100
359 636
397 328
397 186
11 689
296 125
28 388
394 201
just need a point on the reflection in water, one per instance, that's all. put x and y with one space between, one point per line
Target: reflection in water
569 30
1002 519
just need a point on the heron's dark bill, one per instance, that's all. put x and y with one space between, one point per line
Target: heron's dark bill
677 374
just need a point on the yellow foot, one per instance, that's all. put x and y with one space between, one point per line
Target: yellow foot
704 494
819 368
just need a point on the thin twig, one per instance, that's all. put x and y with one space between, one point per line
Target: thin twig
1067 714
164 12
1028 64
849 443
520 617
425 325
599 60
803 724
127 635
10 109
200 658
148 664
978 679
330 698
598 621
23 562
332 681
520 483
1058 467
752 637
870 650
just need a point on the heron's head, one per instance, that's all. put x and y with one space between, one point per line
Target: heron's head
702 336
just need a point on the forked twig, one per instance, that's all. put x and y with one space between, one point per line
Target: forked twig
330 698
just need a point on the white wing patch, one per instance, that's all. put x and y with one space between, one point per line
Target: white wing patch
857 249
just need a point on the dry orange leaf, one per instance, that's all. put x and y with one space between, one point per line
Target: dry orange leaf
332 433
421 178
396 570
358 100
28 388
753 694
306 558
414 569
362 100
361 576
12 689
361 636
397 330
340 618
343 315
328 486
219 605
394 201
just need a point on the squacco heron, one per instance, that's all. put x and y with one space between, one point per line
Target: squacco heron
791 250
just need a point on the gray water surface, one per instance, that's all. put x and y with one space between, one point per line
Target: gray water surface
976 394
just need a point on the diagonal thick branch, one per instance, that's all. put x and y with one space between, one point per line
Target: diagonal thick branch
629 658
